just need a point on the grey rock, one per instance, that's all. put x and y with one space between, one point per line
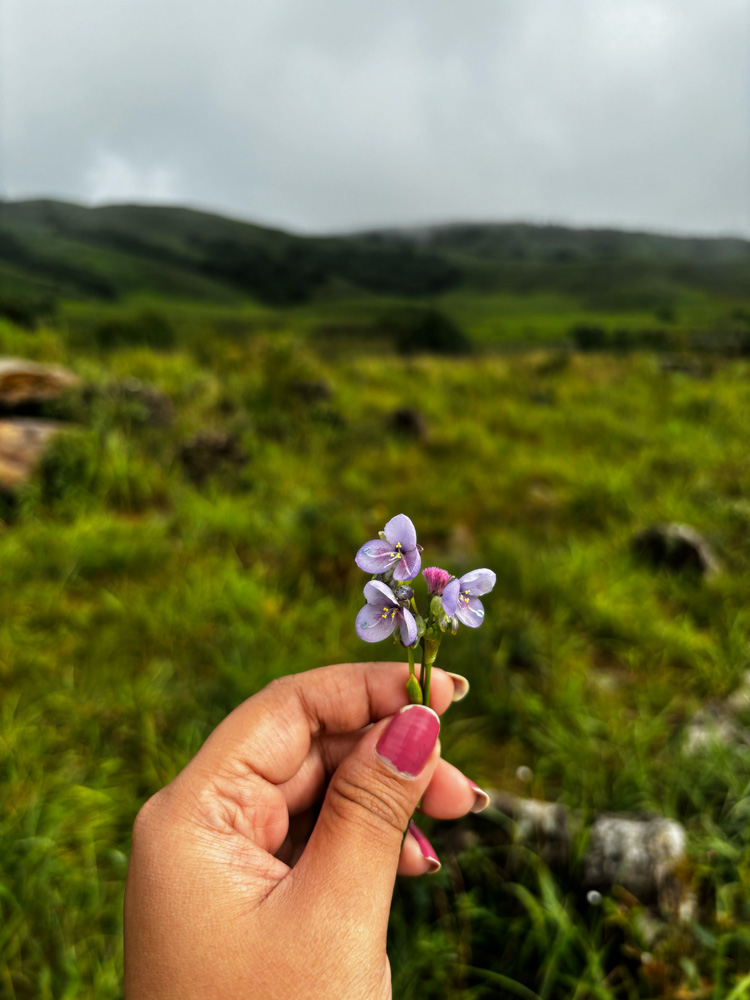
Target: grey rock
543 826
677 547
645 855
641 854
718 723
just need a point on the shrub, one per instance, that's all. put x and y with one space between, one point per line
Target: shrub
147 329
428 330
589 338
25 312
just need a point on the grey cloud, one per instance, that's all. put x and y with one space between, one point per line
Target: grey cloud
327 114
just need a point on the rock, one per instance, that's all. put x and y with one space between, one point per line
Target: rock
718 724
209 451
154 405
738 702
644 855
641 854
22 442
542 826
710 727
408 422
25 384
677 547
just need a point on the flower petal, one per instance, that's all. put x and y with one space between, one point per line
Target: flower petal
371 626
376 556
470 612
479 581
408 565
400 529
408 627
450 597
378 593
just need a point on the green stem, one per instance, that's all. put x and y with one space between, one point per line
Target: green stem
410 654
431 647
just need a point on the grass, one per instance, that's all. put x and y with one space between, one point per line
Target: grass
136 609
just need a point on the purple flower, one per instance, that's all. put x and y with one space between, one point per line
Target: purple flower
397 551
436 579
379 617
461 597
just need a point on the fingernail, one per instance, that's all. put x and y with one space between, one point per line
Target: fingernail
410 738
460 686
428 851
481 798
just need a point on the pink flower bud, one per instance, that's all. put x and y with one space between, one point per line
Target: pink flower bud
436 579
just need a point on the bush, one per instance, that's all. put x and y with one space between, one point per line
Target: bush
589 338
146 329
426 330
25 312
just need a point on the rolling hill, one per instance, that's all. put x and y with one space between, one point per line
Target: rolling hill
52 251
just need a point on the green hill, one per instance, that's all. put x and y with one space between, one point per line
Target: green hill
122 250
501 282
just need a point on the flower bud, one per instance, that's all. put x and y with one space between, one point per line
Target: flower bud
436 579
436 607
420 625
403 595
414 690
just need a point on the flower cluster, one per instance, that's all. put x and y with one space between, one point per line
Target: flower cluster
395 558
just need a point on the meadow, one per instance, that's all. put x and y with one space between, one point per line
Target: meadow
147 589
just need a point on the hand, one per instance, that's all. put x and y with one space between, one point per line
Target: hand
236 890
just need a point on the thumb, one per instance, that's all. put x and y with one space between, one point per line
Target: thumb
351 858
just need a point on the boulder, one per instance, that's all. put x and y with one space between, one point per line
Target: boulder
22 442
25 384
677 547
543 826
639 853
720 723
643 855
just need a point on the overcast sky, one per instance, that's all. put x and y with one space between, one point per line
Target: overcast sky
336 114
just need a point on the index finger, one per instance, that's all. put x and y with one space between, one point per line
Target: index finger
269 735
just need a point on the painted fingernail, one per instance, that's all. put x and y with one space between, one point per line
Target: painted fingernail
481 798
410 738
460 686
428 851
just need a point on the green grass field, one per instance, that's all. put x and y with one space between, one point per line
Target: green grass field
137 608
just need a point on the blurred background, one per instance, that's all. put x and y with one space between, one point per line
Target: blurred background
272 272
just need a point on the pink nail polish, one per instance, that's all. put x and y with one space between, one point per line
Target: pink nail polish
428 851
481 798
409 739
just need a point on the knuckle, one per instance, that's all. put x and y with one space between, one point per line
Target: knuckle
149 819
281 685
372 800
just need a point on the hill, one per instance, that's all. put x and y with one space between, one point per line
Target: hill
501 282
